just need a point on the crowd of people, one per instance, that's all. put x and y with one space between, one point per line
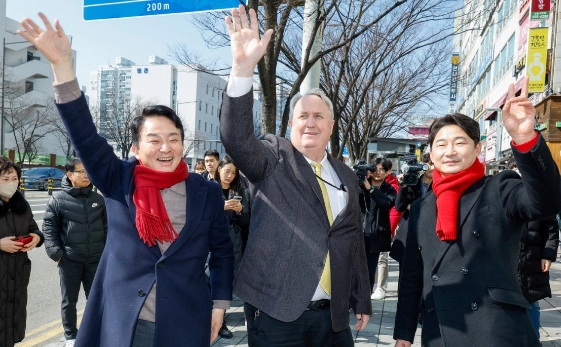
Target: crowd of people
282 225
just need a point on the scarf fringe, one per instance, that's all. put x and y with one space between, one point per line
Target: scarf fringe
152 229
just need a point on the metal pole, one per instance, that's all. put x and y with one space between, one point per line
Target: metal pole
312 10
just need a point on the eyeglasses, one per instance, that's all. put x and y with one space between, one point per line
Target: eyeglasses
81 172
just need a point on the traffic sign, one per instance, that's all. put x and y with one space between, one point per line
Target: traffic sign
110 9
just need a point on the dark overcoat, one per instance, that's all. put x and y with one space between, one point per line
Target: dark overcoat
129 268
468 288
289 230
16 219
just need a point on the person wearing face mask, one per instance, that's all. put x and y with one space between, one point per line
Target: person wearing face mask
16 219
75 228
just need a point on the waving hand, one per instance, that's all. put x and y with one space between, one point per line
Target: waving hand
519 114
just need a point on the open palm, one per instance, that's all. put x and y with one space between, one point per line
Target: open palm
53 44
519 114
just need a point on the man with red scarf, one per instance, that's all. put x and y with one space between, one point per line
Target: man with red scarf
150 287
463 238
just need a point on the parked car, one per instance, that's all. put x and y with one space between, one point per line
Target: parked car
38 178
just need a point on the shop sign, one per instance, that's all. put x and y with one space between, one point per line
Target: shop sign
536 59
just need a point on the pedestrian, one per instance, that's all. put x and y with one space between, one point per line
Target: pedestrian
236 209
460 263
211 164
19 234
304 264
200 167
150 287
378 198
75 229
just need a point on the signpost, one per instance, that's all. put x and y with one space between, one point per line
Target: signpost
110 9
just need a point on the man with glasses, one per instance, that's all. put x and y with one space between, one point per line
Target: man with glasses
378 199
75 228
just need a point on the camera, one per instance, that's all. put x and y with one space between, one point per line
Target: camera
361 168
411 171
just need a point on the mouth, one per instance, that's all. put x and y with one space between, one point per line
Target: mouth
165 160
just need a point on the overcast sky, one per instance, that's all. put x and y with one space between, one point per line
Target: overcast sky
99 42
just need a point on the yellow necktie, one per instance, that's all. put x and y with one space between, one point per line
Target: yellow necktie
325 280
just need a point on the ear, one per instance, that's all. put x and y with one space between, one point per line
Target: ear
478 148
68 174
290 125
134 150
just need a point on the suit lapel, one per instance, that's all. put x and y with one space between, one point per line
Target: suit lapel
195 202
466 203
350 192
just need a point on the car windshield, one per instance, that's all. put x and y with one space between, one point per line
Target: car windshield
37 172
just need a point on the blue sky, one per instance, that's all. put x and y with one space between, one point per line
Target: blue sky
99 42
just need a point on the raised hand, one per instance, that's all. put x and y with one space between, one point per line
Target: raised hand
53 44
519 114
247 48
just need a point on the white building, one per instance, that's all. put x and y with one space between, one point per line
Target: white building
196 96
26 69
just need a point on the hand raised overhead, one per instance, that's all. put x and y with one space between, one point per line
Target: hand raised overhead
247 48
53 44
519 114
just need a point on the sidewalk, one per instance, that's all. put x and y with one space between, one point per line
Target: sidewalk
379 331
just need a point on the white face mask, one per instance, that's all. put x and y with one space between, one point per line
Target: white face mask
7 190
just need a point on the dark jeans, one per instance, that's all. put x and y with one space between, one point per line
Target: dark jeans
72 275
144 334
312 329
371 260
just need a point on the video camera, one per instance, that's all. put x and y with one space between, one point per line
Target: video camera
411 171
361 168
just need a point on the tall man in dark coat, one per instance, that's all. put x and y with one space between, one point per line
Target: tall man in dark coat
150 287
463 237
305 226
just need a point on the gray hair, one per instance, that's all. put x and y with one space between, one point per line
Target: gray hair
316 92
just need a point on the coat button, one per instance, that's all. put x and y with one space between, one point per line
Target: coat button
475 233
141 293
435 277
465 271
474 306
160 264
420 247
320 264
430 310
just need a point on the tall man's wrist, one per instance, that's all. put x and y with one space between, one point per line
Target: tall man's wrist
63 72
242 70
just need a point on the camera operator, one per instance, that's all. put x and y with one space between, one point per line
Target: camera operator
405 197
378 197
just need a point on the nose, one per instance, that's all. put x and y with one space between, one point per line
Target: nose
450 149
165 146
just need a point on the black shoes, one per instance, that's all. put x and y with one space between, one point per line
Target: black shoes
224 332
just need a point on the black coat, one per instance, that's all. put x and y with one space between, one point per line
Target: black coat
377 205
468 288
15 269
75 224
539 241
235 224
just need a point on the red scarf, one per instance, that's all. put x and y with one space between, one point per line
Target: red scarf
152 220
448 191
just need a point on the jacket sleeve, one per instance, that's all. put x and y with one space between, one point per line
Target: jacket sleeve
52 229
104 220
360 290
405 196
243 218
549 234
410 283
384 197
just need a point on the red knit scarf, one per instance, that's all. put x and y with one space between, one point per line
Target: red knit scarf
448 191
152 220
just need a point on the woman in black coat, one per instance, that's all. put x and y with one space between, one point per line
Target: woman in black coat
16 220
538 248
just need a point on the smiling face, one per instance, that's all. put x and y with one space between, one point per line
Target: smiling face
453 150
311 127
159 144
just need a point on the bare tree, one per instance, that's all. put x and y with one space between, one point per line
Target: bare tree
63 138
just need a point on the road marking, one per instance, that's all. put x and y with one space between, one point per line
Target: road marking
48 334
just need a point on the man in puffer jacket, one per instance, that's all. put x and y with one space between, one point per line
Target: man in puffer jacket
75 228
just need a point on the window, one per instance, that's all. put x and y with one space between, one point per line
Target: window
206 107
212 110
211 128
505 60
28 86
200 105
207 89
199 124
213 92
205 127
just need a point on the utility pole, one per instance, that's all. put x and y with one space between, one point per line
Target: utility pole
312 11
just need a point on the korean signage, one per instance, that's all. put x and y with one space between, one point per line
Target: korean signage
536 59
539 9
454 76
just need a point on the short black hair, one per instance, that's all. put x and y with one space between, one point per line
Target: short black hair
6 166
235 185
154 111
70 165
386 164
511 163
467 124
212 153
425 158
